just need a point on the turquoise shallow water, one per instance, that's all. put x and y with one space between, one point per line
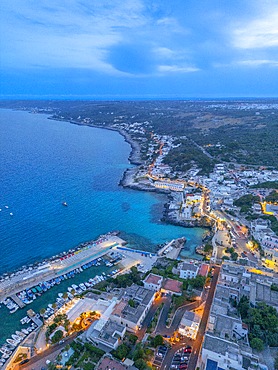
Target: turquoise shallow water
45 162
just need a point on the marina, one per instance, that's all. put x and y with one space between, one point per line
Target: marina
57 269
68 276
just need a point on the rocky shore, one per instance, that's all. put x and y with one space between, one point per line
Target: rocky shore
128 179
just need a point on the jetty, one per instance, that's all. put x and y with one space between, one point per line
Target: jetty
18 301
172 249
54 268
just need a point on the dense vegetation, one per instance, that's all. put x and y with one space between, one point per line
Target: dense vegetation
233 131
246 202
85 356
262 322
266 185
272 197
187 154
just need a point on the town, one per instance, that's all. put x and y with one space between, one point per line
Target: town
160 310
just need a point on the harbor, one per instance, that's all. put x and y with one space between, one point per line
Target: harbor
59 266
35 293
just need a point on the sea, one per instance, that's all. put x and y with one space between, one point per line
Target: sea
44 163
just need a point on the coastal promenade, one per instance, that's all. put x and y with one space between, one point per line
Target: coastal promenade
34 275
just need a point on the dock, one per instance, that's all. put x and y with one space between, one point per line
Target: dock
172 250
18 301
61 265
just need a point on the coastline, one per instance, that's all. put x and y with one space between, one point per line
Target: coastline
126 181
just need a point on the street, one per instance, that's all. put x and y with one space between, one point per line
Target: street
39 361
203 324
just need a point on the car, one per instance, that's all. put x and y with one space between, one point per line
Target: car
182 367
185 358
184 363
24 361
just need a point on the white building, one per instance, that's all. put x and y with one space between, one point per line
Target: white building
153 282
133 315
189 325
188 270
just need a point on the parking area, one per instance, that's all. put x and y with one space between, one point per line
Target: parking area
159 356
181 358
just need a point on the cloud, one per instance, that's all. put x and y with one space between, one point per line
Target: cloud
176 69
258 63
76 34
258 33
172 24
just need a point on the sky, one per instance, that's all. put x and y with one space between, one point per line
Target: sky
138 48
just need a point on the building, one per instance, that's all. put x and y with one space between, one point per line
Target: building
226 344
188 270
221 354
101 306
153 282
167 185
172 287
108 334
108 363
133 307
203 270
189 325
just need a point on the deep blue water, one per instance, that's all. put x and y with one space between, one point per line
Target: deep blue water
45 162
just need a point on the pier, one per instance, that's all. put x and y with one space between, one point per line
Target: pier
52 269
172 250
18 301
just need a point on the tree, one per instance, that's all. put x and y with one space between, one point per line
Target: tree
140 364
42 311
58 335
276 362
133 339
131 303
257 343
158 340
208 248
243 307
122 351
234 256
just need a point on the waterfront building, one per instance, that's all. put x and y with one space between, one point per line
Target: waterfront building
167 185
153 282
172 287
188 270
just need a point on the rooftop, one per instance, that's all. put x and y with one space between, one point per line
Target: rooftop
153 279
174 286
186 266
108 363
219 345
203 270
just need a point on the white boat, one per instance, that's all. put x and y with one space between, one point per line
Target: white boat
25 331
16 338
7 207
12 342
11 214
14 309
19 333
82 286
